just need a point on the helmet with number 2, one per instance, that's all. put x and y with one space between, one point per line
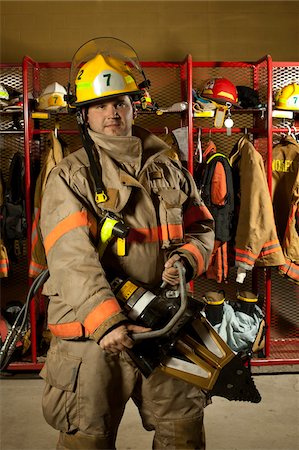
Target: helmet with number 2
101 68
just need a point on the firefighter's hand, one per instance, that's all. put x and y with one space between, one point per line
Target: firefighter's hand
119 339
170 273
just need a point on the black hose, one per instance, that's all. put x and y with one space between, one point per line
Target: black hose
14 333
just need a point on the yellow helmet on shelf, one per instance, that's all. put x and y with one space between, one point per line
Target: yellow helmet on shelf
288 97
52 97
101 68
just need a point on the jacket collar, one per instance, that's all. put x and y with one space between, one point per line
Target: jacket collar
130 149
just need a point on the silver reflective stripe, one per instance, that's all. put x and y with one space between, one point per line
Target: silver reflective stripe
141 304
185 366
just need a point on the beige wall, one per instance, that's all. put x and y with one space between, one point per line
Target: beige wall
158 30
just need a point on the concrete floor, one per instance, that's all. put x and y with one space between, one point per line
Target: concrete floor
272 424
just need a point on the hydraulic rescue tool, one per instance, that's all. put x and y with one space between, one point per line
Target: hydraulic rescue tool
182 342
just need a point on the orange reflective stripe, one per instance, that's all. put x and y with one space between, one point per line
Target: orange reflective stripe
245 256
35 268
4 262
175 231
98 315
222 261
270 247
75 220
101 313
164 233
144 235
195 214
197 255
67 330
291 270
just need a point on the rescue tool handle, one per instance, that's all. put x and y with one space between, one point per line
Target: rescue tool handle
163 331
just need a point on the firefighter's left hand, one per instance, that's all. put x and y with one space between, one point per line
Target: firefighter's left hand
170 273
119 338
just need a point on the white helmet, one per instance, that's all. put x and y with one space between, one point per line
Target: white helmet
52 97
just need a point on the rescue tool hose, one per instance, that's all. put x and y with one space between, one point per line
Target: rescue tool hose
14 333
163 331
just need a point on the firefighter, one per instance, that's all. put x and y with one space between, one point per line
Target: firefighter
89 375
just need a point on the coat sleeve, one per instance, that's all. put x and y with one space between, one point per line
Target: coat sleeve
256 240
199 229
77 279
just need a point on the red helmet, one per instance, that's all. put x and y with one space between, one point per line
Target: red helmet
221 90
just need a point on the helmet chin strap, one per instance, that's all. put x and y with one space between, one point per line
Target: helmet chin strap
96 169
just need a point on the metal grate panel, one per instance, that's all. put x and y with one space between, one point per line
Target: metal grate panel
14 287
282 76
11 76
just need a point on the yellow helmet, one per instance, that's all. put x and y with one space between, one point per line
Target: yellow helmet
104 76
52 97
101 68
288 97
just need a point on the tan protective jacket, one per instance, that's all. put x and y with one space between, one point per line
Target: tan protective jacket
285 188
256 240
155 197
38 261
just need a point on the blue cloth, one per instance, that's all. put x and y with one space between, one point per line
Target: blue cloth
238 329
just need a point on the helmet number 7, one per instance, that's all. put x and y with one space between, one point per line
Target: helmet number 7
108 76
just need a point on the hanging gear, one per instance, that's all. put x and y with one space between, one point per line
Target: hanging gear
288 97
217 190
220 90
14 216
52 98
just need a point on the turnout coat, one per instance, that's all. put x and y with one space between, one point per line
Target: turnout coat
157 199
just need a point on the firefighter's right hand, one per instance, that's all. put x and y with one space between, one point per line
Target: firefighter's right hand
119 338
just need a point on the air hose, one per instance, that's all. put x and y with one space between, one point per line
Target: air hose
15 332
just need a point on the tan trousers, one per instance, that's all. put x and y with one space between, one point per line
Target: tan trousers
86 392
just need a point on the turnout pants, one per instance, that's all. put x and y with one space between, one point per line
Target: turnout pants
86 392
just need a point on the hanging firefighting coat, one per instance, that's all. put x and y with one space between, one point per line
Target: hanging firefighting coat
256 241
159 202
54 155
214 178
285 190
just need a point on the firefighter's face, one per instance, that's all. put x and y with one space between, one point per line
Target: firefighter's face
113 116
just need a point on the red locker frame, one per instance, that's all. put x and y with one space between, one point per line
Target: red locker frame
175 86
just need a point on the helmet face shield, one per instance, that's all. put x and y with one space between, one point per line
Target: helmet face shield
101 68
